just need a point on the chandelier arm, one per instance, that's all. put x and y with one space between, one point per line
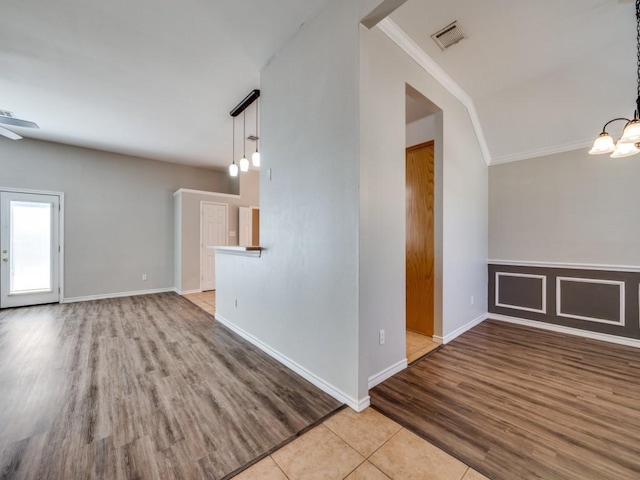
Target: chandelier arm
604 129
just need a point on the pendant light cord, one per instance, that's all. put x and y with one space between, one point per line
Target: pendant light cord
233 142
244 133
638 55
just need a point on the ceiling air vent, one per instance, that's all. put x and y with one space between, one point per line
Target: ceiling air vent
448 36
6 113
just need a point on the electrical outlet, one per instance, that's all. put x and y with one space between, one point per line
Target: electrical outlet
472 300
381 337
236 302
232 233
144 277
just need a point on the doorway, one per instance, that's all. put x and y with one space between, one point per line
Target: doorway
214 229
30 247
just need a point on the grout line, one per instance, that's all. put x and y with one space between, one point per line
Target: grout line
279 467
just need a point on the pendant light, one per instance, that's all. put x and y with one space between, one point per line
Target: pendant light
233 168
255 158
244 163
237 110
629 143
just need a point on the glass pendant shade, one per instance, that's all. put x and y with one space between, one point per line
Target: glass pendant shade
631 132
603 144
624 149
244 164
233 170
255 158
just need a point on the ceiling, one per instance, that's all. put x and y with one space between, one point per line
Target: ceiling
544 75
157 78
153 78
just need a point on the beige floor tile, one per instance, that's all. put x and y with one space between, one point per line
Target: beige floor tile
318 454
408 457
473 475
265 469
367 471
365 431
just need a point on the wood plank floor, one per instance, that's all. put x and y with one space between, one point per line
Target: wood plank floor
141 387
521 403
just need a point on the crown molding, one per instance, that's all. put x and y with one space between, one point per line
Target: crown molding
542 152
400 38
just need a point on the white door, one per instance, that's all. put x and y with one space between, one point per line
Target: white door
244 226
29 248
213 233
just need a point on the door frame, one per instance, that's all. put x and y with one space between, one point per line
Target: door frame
201 240
61 262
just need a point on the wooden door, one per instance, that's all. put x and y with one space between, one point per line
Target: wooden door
214 233
420 238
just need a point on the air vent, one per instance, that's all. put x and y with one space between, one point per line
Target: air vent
448 36
6 113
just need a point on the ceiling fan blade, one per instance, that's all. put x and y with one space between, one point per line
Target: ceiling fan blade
16 122
9 134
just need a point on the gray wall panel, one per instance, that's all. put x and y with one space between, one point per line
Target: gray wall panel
582 299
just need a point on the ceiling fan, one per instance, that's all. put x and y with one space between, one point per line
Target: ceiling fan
7 118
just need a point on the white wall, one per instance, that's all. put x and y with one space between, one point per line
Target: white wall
566 208
301 297
461 206
118 211
421 131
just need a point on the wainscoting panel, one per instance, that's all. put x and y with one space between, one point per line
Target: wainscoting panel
521 291
598 300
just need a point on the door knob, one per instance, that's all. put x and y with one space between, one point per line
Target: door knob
5 259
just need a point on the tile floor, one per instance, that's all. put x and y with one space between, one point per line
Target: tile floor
418 345
205 300
357 446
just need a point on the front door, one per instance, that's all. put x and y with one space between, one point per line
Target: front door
29 249
214 233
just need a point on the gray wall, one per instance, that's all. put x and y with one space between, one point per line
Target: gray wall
301 297
118 211
567 208
460 206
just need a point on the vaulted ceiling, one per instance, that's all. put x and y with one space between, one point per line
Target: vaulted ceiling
157 78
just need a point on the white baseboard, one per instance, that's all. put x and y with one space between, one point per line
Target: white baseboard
356 404
459 331
386 373
105 296
186 292
630 342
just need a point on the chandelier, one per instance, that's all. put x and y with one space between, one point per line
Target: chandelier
629 143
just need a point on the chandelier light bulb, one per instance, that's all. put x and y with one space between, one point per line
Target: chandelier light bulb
603 144
233 170
631 132
255 158
625 149
244 164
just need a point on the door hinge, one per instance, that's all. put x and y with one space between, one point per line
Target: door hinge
58 248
